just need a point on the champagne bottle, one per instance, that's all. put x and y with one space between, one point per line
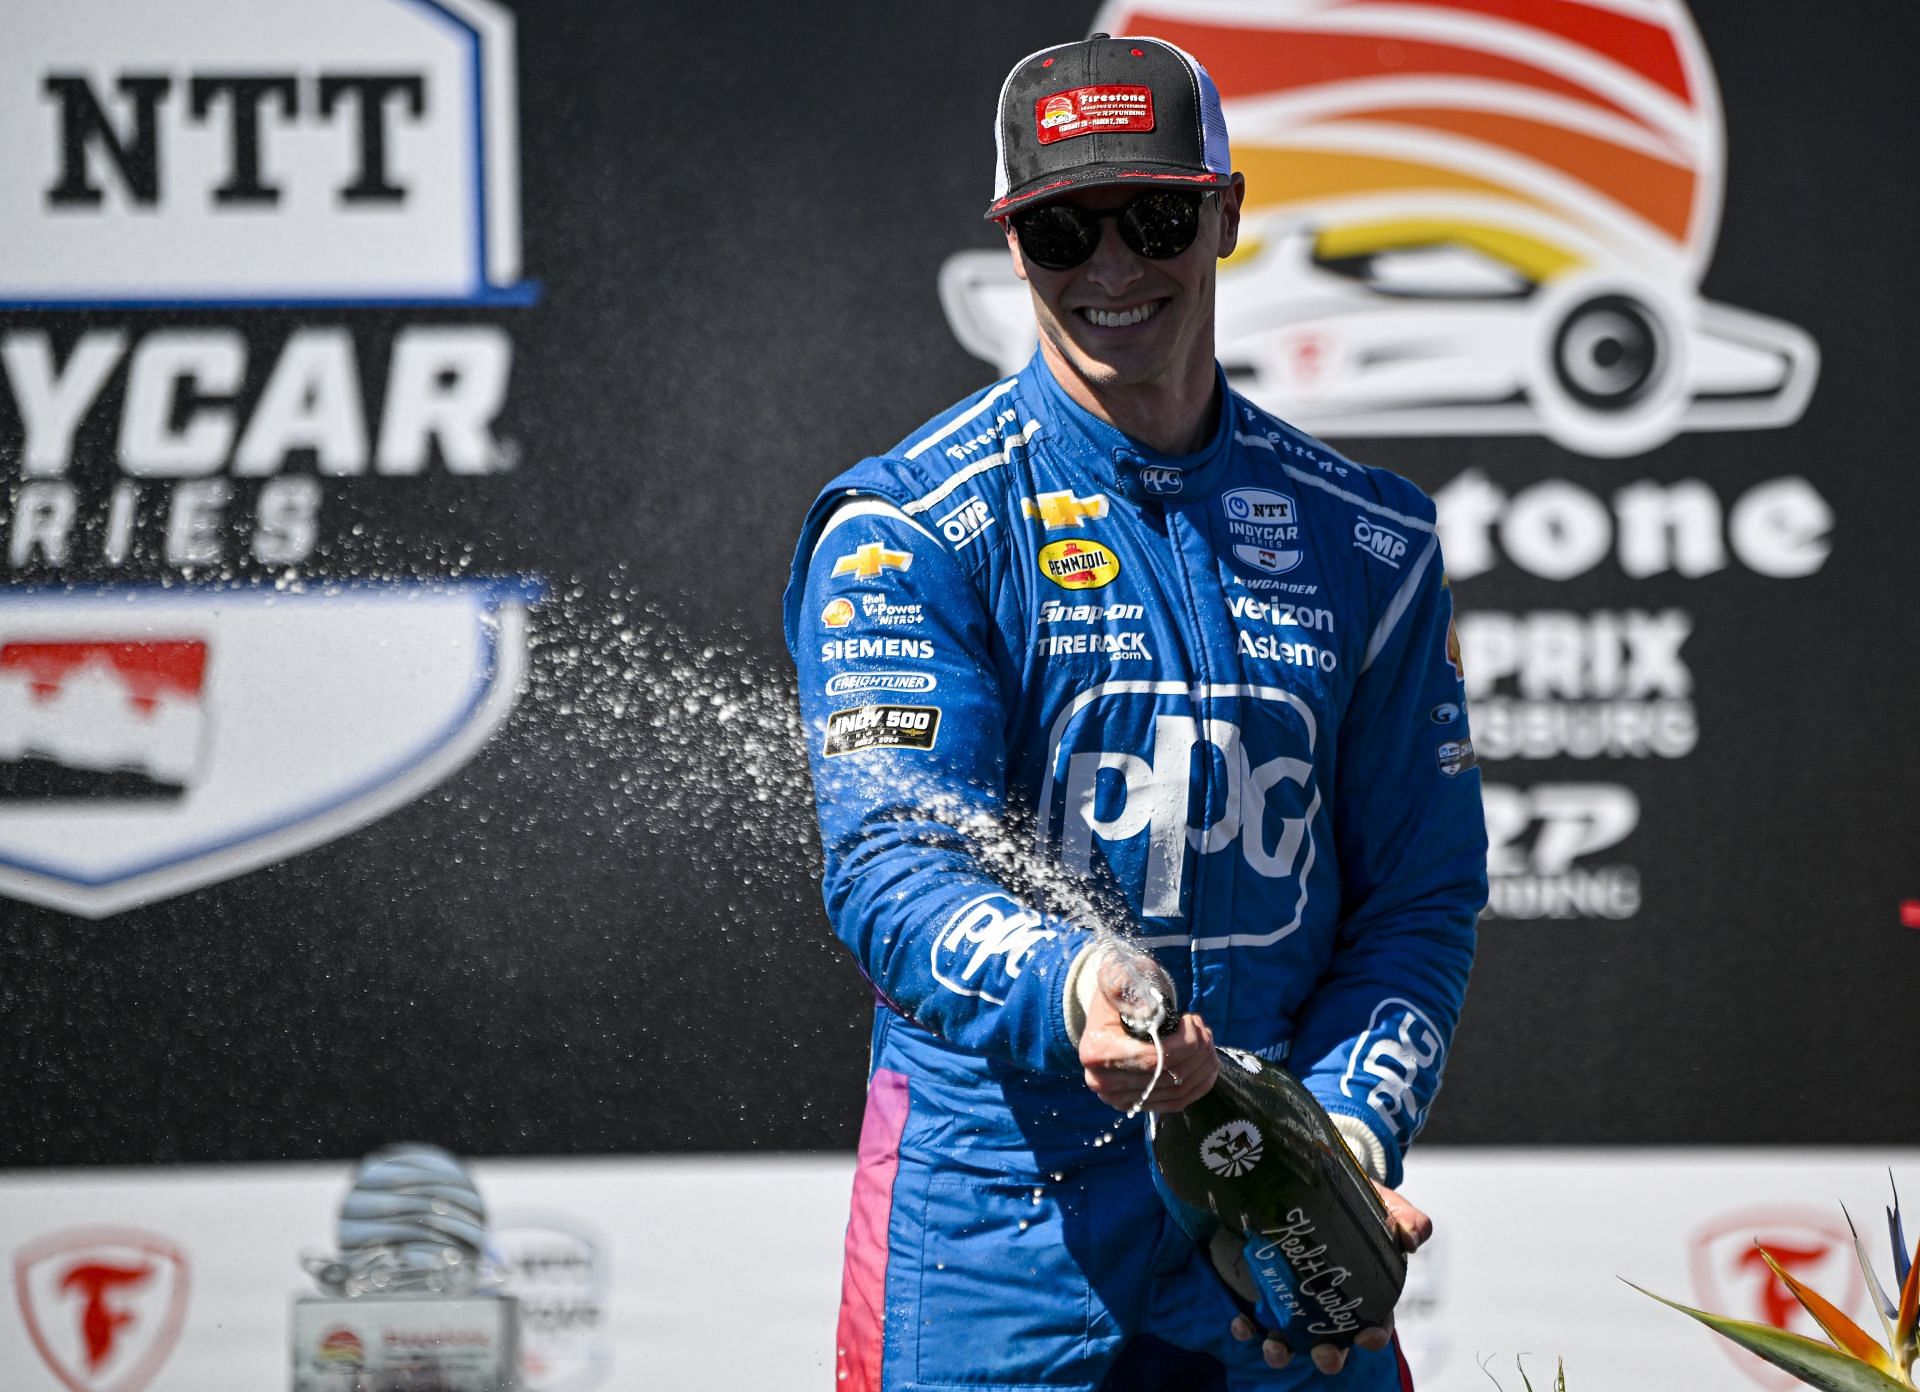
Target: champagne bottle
1260 1180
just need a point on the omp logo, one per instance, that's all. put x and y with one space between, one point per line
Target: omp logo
1064 509
1536 835
154 739
1143 812
1379 542
103 1306
1462 218
1730 1276
349 151
984 946
1396 1061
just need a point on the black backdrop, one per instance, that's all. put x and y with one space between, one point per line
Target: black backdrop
604 934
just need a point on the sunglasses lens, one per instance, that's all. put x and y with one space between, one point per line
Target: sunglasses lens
1161 224
1057 236
1158 224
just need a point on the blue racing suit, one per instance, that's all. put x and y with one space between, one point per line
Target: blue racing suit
1050 679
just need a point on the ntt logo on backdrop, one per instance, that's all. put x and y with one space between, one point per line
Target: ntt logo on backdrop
351 152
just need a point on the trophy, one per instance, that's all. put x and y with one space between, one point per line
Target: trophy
410 1302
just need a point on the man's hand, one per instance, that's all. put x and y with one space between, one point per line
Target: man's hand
1410 1228
1118 1066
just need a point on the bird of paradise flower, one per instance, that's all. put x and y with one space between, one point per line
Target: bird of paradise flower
1852 1361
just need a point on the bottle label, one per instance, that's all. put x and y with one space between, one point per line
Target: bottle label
1232 1150
1303 1284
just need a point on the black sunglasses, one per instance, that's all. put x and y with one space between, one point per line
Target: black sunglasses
1158 224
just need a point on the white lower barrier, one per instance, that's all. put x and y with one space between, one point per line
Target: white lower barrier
723 1272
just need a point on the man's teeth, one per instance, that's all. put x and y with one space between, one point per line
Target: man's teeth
1120 318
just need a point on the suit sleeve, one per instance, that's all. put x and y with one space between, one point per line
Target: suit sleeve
1411 834
904 716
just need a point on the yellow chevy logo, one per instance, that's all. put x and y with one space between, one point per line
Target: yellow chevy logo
870 560
1063 509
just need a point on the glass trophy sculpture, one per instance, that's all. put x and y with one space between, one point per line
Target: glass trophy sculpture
410 1302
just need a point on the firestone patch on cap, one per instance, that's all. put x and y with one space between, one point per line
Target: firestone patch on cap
1106 111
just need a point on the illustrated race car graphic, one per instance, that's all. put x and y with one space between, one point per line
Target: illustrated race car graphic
1467 217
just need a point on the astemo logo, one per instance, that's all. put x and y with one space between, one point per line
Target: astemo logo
347 152
1462 219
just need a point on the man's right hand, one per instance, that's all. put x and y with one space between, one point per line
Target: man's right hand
1118 1066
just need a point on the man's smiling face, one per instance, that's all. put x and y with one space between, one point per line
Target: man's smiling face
1120 319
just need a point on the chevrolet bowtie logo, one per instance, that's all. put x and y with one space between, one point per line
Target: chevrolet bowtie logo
873 558
1063 509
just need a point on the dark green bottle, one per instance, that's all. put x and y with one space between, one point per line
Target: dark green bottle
1258 1177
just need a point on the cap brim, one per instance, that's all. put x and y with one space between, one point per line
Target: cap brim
1091 176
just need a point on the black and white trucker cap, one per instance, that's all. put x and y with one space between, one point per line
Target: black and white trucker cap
1106 111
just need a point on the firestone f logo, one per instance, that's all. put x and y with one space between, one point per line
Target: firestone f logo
102 1306
94 1283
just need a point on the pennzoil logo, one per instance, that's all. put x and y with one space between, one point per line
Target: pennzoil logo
1079 565
869 560
1064 509
1529 192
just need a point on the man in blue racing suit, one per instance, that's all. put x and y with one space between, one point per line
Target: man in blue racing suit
1106 660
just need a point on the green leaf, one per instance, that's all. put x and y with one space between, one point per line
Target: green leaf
1814 1363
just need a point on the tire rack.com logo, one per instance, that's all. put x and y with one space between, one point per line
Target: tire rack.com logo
1462 223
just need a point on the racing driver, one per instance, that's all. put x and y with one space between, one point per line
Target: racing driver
1106 661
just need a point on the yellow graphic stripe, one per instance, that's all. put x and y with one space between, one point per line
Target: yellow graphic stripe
1540 261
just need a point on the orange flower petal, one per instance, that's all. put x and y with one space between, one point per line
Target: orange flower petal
1846 1335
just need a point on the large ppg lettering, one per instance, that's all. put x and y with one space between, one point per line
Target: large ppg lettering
1401 1048
1155 803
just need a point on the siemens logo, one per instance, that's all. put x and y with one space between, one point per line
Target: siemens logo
852 649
